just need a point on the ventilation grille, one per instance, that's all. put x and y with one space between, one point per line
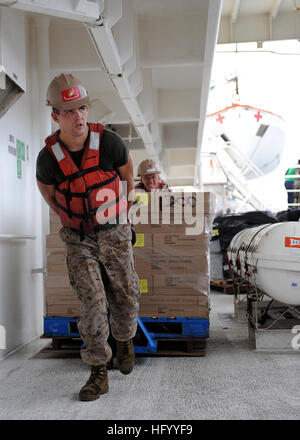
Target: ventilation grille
10 92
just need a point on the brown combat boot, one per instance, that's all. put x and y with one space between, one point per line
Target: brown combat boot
125 356
96 385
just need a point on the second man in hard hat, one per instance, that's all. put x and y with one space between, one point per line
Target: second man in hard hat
149 175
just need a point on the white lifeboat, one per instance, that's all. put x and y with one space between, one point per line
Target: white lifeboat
253 138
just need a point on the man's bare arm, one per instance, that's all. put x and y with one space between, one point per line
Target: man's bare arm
126 174
48 192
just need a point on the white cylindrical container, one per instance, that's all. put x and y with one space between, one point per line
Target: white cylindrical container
268 256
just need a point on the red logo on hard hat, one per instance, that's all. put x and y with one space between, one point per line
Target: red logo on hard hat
70 94
292 242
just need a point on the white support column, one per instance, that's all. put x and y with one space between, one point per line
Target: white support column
42 51
213 20
43 68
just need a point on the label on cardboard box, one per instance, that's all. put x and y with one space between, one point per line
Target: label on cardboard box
140 240
180 239
171 311
144 286
142 198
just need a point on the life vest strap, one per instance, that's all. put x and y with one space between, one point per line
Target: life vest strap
92 212
88 191
80 173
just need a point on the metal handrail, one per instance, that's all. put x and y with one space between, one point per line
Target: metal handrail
17 237
239 186
250 165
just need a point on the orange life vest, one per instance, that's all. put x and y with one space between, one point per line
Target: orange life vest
88 197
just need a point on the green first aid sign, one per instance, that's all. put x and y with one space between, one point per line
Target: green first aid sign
19 169
20 150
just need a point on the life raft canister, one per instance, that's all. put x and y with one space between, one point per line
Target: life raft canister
88 197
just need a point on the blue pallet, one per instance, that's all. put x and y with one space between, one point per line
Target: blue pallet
190 327
59 326
56 326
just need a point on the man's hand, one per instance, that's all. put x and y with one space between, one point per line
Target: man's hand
48 193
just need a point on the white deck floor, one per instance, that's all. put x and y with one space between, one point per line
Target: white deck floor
233 381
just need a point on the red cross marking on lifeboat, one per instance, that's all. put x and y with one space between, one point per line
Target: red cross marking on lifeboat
220 119
258 116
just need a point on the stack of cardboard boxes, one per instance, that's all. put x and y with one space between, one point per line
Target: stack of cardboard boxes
172 255
171 260
59 297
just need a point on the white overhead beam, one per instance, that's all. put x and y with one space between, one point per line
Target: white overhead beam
275 8
76 68
213 21
235 11
102 36
249 28
82 10
113 11
234 15
272 15
124 32
170 61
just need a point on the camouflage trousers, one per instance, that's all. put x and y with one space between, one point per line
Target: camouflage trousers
102 276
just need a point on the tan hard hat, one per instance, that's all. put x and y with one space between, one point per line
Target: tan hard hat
66 92
146 167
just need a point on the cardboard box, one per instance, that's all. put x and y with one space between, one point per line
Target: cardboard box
188 301
196 281
179 285
72 311
166 262
158 239
180 239
146 284
57 268
143 240
176 225
55 223
54 228
57 281
54 218
175 201
62 300
173 311
60 292
56 257
171 265
53 241
159 228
